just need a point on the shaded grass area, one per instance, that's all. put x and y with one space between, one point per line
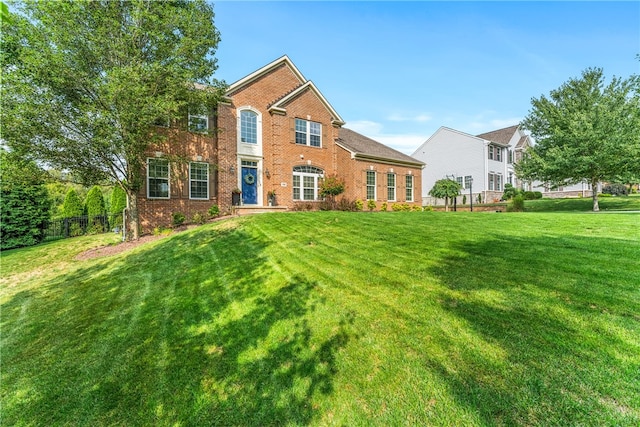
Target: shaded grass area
584 204
334 319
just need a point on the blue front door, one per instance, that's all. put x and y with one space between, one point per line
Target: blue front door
249 186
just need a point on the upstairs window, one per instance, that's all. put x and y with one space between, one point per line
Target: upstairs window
495 153
157 178
198 120
248 127
308 133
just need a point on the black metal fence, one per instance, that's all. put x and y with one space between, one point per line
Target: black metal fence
80 225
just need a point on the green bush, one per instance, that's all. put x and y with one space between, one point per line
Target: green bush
529 195
464 199
510 192
371 205
605 195
178 219
537 195
516 204
383 206
198 218
359 205
72 205
428 208
400 207
615 189
214 211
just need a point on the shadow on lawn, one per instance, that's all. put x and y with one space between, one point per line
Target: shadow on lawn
197 330
542 351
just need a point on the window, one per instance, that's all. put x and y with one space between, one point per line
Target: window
199 180
491 149
391 187
305 182
510 160
498 154
459 181
198 120
308 133
467 181
371 185
409 188
495 182
157 178
249 127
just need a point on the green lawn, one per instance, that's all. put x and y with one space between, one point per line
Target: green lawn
331 318
584 204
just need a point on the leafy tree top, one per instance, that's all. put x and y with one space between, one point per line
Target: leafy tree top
72 205
331 186
584 130
445 189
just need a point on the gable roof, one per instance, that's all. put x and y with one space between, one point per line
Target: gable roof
278 106
283 60
364 148
500 136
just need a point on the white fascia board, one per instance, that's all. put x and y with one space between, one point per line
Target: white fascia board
262 71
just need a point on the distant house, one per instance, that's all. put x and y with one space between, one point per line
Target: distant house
481 164
274 133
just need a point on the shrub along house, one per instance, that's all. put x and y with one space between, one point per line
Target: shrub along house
273 134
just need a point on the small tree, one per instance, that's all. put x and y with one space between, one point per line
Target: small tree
330 187
510 192
118 203
95 202
445 189
72 206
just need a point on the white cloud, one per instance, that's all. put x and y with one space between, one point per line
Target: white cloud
482 126
420 118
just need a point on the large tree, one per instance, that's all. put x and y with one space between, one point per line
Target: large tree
584 130
84 82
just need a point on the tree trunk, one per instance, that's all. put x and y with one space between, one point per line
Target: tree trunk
594 192
446 204
134 220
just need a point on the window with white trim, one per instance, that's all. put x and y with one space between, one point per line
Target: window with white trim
308 133
459 181
199 180
391 187
157 178
371 185
249 127
198 120
306 182
467 181
409 188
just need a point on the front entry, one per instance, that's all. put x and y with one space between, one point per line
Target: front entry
249 183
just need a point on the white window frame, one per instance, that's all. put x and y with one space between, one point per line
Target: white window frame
460 181
409 188
491 151
191 180
149 178
258 124
467 181
371 186
391 188
309 172
308 132
194 116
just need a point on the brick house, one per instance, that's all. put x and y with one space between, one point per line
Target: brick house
274 132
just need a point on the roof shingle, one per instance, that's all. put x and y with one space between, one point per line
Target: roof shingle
365 147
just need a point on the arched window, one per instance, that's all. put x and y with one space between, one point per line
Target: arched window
248 127
305 182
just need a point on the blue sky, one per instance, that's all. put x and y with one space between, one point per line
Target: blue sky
397 71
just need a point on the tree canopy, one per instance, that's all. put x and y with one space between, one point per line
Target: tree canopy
586 130
84 82
445 189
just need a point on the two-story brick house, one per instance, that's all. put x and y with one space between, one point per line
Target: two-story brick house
274 132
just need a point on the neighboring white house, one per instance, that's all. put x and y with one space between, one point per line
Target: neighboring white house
482 164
